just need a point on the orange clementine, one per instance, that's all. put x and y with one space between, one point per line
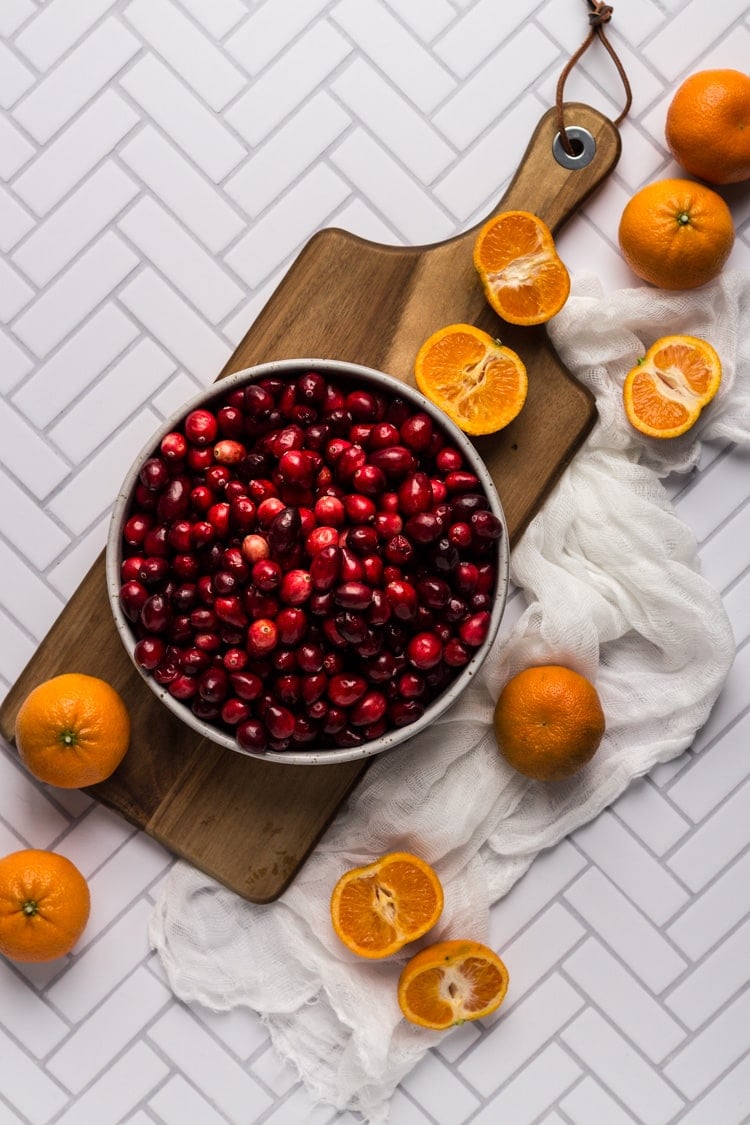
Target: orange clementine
72 730
548 722
523 277
708 126
676 234
376 909
480 384
665 393
44 905
452 982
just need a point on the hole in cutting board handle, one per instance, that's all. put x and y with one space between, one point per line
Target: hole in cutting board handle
582 143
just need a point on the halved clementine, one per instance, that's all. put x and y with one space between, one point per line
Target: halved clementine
452 982
480 384
523 277
376 909
665 393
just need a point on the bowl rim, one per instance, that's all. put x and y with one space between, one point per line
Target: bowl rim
335 369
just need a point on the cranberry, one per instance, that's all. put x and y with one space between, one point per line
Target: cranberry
369 709
416 432
460 535
155 614
461 480
329 511
149 652
395 460
415 494
218 516
297 466
266 575
398 550
154 474
246 685
262 637
174 446
229 609
485 525
234 711
455 653
201 427
424 650
311 388
448 460
402 712
296 587
242 513
402 599
183 686
235 659
228 451
136 528
369 479
353 595
251 735
279 721
200 457
325 568
291 624
344 690
473 631
359 509
213 685
423 527
284 531
255 547
321 537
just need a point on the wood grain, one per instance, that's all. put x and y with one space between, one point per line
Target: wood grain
249 823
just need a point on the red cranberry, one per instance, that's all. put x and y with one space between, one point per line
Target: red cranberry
344 690
149 652
136 528
279 721
329 511
234 711
201 427
415 494
416 432
369 709
321 537
266 575
291 624
402 712
424 650
246 685
402 599
214 685
235 659
461 480
262 637
325 568
183 686
174 447
154 474
296 587
252 736
448 460
473 631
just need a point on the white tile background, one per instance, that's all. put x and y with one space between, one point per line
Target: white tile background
161 164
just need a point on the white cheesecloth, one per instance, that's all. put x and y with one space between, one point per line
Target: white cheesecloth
611 587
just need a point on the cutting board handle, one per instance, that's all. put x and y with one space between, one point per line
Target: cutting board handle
545 186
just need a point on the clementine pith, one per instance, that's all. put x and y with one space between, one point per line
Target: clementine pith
477 382
523 277
451 982
72 730
379 907
44 905
667 390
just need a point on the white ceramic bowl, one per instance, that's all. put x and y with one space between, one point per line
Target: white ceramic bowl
344 374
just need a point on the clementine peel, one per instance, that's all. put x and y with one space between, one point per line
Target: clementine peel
72 730
44 905
708 126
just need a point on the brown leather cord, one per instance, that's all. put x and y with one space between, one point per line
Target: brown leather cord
599 15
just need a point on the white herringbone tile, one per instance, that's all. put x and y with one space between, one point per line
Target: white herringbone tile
161 164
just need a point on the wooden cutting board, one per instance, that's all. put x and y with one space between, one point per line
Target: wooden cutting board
248 823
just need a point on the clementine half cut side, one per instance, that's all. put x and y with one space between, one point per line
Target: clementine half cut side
676 234
44 905
708 126
378 908
72 730
452 982
548 722
665 393
523 277
477 382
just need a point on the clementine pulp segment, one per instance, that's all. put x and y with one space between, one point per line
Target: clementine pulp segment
376 909
477 382
523 277
451 982
665 393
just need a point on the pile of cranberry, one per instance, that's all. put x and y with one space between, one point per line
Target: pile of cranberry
307 566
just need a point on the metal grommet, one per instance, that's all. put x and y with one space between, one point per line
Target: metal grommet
582 143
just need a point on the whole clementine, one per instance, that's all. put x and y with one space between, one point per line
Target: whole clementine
676 234
548 722
72 730
708 126
44 905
